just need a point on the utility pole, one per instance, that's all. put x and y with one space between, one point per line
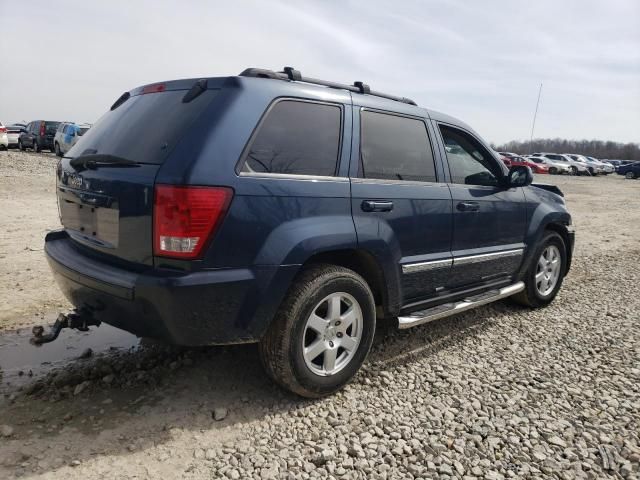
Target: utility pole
533 125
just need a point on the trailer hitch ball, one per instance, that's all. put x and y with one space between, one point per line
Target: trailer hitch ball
80 320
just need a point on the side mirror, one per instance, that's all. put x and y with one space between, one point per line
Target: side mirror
519 176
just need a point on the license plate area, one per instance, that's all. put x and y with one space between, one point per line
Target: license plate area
99 224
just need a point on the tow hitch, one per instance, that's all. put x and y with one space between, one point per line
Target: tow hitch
79 319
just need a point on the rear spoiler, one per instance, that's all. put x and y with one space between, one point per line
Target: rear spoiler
549 188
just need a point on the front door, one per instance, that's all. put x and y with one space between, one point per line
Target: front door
489 220
398 206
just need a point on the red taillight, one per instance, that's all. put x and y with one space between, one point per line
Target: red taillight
43 129
3 129
155 88
184 218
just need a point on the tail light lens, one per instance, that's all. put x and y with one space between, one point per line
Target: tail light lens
185 218
3 129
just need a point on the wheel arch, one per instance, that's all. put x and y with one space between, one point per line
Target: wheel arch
385 290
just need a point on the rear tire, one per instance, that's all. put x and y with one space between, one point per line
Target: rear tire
538 291
574 170
56 148
286 348
553 170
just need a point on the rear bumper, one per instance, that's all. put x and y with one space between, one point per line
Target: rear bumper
206 307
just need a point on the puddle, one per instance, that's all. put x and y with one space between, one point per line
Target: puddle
21 362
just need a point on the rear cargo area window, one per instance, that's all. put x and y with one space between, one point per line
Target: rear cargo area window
395 148
145 128
296 138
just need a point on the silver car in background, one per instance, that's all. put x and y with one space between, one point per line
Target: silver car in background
595 167
555 168
577 168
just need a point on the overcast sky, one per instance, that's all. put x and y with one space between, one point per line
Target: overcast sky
481 61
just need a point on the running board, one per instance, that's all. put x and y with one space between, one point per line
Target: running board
447 309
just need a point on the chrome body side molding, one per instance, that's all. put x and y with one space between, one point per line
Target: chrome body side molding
425 266
448 262
485 257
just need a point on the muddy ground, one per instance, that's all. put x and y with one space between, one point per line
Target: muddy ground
501 392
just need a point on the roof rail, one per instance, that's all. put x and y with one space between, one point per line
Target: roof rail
291 74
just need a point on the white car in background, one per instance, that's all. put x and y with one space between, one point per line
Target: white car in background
67 135
608 167
13 133
4 138
594 166
577 168
555 168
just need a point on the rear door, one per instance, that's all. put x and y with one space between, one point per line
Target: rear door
489 220
106 180
398 206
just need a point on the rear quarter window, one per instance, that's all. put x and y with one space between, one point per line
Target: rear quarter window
296 138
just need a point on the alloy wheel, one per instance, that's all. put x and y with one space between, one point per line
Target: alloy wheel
548 270
332 334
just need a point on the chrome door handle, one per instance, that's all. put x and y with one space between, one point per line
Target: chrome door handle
376 206
468 206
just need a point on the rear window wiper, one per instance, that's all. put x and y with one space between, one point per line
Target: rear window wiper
96 160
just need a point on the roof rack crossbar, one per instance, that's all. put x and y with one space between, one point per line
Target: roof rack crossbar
291 74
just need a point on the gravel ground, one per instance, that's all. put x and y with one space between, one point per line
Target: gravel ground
499 392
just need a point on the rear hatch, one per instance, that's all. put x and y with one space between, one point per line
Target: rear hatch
106 181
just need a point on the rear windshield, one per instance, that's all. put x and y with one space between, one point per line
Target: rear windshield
143 129
51 127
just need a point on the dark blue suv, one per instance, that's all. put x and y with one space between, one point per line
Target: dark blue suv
270 207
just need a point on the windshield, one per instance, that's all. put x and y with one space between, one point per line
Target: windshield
144 128
82 131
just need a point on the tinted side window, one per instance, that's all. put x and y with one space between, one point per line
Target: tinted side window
469 162
297 138
395 148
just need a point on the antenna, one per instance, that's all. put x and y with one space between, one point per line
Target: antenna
533 125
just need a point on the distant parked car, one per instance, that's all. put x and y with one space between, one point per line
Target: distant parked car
38 135
594 166
4 139
67 135
13 133
630 170
608 166
514 160
555 168
577 168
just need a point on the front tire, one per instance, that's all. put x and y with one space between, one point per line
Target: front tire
546 273
57 150
322 332
574 170
630 175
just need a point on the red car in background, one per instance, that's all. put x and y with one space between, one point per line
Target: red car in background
512 159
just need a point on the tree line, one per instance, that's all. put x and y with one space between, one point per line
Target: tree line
591 148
